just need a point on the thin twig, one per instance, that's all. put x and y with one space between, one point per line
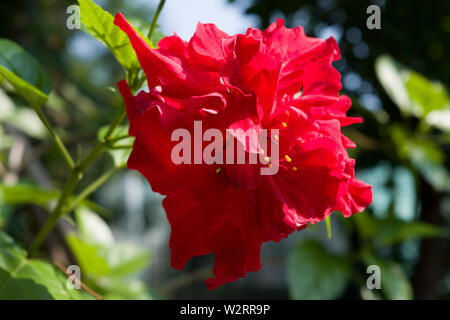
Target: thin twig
56 139
82 284
155 19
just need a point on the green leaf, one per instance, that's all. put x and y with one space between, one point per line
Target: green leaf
90 245
22 193
394 283
127 258
427 95
393 76
410 91
25 193
125 289
425 155
394 231
313 273
24 73
390 231
119 156
100 24
107 264
22 278
121 257
92 228
88 256
439 119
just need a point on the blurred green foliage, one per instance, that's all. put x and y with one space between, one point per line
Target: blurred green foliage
107 264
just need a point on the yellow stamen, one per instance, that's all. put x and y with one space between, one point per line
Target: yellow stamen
261 151
288 159
276 137
284 124
294 168
266 159
269 165
218 170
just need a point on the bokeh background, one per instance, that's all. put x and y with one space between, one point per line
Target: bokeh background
397 78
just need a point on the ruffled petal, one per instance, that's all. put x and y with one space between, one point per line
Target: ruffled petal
206 47
168 66
356 199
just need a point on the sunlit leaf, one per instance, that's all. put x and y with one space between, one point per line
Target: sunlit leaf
100 24
88 256
393 77
92 228
439 119
411 92
127 258
426 94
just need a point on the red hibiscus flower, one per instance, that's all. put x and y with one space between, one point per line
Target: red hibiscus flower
273 79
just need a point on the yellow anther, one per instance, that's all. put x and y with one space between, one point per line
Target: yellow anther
269 165
218 170
284 124
276 137
261 151
266 159
294 168
288 159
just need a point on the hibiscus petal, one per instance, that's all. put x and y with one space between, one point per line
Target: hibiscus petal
206 46
357 198
167 67
321 78
190 221
235 238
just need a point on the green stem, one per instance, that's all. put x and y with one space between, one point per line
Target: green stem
92 156
116 121
115 139
76 174
122 147
328 223
155 19
91 188
56 139
56 213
